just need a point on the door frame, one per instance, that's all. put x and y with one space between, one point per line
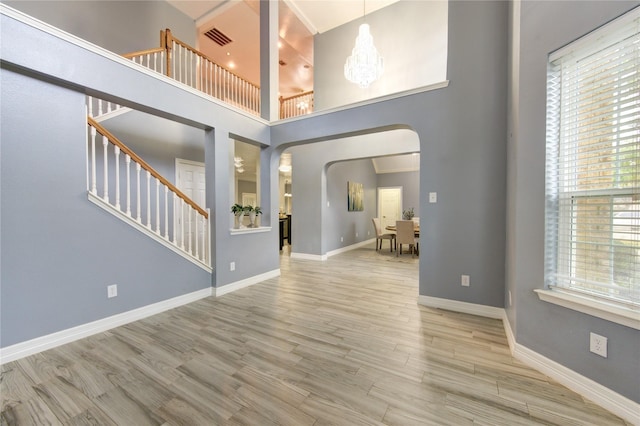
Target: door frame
379 207
179 162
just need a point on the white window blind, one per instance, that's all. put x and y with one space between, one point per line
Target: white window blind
593 164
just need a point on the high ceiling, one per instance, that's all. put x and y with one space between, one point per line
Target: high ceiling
299 20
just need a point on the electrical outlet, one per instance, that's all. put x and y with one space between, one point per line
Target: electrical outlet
464 280
356 235
433 197
232 266
598 344
112 291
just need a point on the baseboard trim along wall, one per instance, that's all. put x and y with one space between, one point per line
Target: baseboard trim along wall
228 288
351 247
39 344
307 256
323 257
462 307
601 395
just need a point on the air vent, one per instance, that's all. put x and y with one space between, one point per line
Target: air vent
218 36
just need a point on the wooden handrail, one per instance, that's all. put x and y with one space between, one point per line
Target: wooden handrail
282 100
143 52
147 167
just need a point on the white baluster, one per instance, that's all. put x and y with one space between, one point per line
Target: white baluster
197 217
94 190
176 218
207 238
99 107
190 68
105 196
157 206
166 212
215 81
148 199
189 209
181 223
116 150
90 106
180 64
138 215
127 161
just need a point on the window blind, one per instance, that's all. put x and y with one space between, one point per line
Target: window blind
593 164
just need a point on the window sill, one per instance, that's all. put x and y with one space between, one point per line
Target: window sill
592 306
239 231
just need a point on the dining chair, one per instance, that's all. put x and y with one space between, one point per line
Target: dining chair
380 236
405 234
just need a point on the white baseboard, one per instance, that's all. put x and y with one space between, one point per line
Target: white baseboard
351 247
39 344
306 256
589 389
511 338
219 291
322 257
463 307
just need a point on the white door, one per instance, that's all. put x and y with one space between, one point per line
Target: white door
389 205
191 181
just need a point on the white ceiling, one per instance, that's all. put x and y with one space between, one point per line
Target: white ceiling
317 15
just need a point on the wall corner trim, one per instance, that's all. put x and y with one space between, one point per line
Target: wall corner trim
228 288
39 344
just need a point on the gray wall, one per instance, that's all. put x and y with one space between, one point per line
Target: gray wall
410 183
553 331
59 251
339 223
311 217
463 160
119 26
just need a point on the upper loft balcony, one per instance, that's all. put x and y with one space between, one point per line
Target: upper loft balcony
218 46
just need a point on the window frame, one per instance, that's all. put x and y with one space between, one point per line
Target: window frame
561 203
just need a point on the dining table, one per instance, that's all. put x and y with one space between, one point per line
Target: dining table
416 229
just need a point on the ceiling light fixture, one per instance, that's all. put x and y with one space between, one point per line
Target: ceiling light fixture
365 65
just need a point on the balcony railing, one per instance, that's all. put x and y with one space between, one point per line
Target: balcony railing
297 105
185 64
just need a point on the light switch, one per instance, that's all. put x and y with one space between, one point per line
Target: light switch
433 197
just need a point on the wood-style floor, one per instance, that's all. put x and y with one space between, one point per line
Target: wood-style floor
337 342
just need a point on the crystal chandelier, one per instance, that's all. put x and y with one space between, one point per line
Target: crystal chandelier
365 65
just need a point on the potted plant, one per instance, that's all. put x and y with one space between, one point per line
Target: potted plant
408 214
253 213
238 212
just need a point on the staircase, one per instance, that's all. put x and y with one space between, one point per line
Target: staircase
187 65
122 183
